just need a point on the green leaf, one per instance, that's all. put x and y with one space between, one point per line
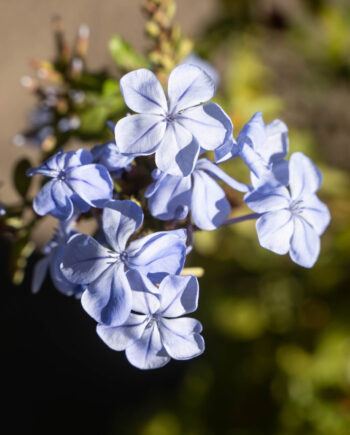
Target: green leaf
110 88
20 179
93 120
124 55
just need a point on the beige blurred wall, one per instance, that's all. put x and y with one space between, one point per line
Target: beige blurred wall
25 33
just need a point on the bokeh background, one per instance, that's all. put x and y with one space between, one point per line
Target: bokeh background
278 336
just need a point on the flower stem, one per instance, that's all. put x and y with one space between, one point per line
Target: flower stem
246 217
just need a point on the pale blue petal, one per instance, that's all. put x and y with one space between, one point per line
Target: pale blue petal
179 295
305 244
158 254
43 202
143 92
59 280
108 299
178 152
169 197
148 352
275 230
214 170
120 337
194 59
108 155
120 220
85 259
180 338
262 202
227 150
138 135
254 161
304 176
189 86
271 177
39 273
144 299
208 124
253 133
277 144
316 213
209 206
77 158
92 183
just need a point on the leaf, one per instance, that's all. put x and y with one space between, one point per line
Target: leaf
93 120
20 179
124 55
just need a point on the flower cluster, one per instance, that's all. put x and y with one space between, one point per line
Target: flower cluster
131 279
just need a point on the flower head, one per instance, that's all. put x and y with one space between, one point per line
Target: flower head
292 220
108 298
76 184
108 155
154 332
175 128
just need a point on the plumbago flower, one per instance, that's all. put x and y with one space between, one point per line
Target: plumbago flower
154 332
292 220
263 148
54 252
108 155
108 296
172 197
76 184
177 128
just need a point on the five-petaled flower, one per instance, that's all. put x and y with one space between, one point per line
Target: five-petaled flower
76 185
104 271
292 220
154 332
177 128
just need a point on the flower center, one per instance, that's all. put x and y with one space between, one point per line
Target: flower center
153 318
296 206
170 117
61 175
123 257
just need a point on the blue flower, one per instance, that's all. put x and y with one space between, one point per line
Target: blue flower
175 128
54 252
2 210
194 59
263 149
154 332
108 155
108 298
76 185
292 220
172 197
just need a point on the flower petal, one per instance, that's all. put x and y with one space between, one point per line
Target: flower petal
179 295
139 135
77 158
277 144
58 279
209 205
262 202
143 92
158 254
227 150
275 230
43 202
108 299
305 244
208 124
120 220
120 337
148 352
39 273
170 198
253 133
316 213
85 259
189 86
304 176
178 152
180 337
92 183
144 299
